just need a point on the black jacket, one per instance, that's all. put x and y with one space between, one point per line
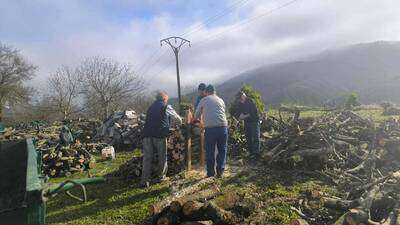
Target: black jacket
157 121
249 107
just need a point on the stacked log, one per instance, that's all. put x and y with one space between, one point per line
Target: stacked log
65 160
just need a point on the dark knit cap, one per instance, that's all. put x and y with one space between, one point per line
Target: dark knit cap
202 87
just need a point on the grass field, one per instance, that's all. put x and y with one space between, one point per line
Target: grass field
116 202
113 202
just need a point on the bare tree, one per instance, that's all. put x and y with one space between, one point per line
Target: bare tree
107 84
64 87
14 70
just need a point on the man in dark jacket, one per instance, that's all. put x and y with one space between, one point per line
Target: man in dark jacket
155 133
249 113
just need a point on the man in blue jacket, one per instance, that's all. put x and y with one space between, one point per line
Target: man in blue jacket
155 134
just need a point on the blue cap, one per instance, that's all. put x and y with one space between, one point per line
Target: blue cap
210 89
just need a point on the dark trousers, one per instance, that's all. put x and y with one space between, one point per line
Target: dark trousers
216 136
153 147
252 130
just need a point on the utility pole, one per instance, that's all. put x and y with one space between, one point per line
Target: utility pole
176 43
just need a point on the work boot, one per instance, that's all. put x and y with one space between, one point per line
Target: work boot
145 184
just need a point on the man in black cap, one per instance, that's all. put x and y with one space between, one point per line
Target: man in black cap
249 113
201 90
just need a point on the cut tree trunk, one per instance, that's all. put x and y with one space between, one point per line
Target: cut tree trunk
219 216
156 208
299 222
339 203
201 196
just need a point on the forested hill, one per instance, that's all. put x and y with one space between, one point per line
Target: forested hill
371 69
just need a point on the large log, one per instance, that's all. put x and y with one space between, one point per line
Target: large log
208 222
194 210
156 208
299 222
314 152
202 196
339 203
219 216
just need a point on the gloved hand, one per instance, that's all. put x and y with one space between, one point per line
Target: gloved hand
196 123
243 116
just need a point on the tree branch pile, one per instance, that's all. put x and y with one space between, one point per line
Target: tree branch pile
359 156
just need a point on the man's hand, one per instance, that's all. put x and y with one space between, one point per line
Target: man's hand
244 116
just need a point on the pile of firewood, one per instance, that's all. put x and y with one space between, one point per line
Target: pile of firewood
84 130
195 204
65 160
132 169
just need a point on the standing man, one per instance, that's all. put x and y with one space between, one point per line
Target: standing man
155 133
216 132
249 113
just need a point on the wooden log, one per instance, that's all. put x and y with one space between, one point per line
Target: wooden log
208 222
339 203
168 218
269 155
188 141
218 215
202 149
156 208
201 196
299 222
194 210
313 152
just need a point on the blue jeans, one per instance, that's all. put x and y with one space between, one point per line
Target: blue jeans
252 130
216 136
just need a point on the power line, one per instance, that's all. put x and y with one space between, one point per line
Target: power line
148 60
147 65
214 18
245 22
150 65
159 71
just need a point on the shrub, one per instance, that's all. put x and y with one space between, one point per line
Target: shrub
251 93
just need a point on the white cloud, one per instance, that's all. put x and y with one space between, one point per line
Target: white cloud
52 33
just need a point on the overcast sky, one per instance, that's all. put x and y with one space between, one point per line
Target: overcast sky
228 36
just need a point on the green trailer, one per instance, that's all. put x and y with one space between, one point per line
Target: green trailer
23 187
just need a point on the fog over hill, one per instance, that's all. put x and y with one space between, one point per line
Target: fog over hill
370 69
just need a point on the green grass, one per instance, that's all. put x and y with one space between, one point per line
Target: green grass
113 202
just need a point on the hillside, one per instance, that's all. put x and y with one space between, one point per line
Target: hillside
371 69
